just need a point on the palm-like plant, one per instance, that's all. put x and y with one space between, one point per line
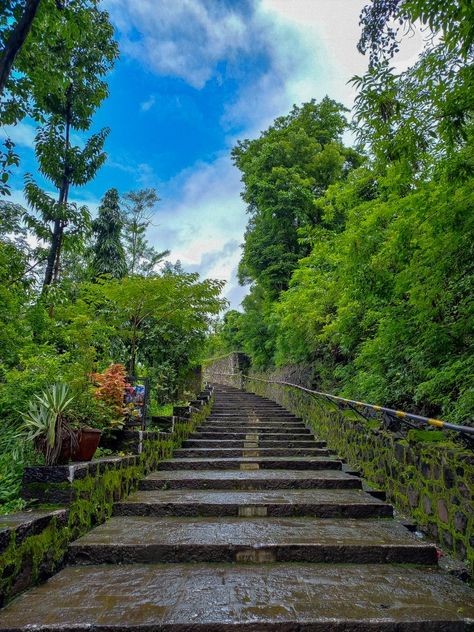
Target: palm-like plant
46 421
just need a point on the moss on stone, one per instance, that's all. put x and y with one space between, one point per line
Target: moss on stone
425 475
39 556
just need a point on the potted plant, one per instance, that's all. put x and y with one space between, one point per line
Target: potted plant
51 423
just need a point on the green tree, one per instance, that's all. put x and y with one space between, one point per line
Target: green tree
409 119
66 164
13 33
284 172
139 307
108 251
138 208
35 40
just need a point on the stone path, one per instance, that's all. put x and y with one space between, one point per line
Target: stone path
253 525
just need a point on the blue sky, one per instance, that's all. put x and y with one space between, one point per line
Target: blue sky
193 77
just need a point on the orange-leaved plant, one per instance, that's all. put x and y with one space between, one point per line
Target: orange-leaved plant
110 389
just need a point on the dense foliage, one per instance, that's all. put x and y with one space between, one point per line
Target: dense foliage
84 302
364 268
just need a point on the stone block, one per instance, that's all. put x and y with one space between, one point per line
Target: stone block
449 477
182 411
426 469
25 524
413 497
447 539
443 513
460 522
55 473
5 535
427 505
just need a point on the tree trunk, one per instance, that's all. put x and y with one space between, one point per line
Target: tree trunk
16 41
48 275
133 353
57 266
52 266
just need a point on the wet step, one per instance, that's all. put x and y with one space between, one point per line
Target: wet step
247 451
255 422
263 430
212 597
254 463
262 443
143 539
252 414
230 434
265 416
321 503
250 480
251 408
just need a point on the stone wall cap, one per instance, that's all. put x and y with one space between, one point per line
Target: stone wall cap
27 523
55 473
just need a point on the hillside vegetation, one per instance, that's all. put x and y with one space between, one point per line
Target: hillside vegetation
360 260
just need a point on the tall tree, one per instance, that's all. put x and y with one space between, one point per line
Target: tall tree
64 163
141 257
140 306
284 172
109 254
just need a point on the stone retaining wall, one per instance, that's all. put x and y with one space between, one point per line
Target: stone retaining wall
33 543
427 474
226 369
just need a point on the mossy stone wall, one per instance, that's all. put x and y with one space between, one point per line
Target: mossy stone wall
71 499
426 475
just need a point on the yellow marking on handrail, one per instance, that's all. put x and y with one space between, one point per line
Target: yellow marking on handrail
400 413
377 408
359 403
436 422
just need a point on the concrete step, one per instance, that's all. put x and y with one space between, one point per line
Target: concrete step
263 416
271 436
254 463
143 539
263 430
253 480
320 503
261 598
262 443
211 453
258 421
236 408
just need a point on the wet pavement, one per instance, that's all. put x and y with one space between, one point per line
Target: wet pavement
252 525
228 597
137 539
254 480
322 503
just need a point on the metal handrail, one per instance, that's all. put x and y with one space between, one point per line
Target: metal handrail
400 414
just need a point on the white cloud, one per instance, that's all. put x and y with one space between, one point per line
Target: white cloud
204 227
148 104
21 134
184 38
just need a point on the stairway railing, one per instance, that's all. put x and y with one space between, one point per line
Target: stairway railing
361 408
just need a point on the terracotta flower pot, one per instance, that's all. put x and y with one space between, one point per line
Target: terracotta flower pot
88 439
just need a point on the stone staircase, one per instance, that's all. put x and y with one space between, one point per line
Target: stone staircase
252 525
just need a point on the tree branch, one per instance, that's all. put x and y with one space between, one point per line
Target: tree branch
16 41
